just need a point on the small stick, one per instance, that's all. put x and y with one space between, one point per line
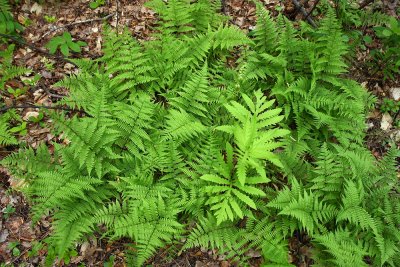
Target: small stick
117 17
31 46
36 106
304 12
76 23
312 9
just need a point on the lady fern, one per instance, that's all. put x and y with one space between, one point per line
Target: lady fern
173 143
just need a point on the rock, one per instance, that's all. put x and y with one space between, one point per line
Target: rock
68 66
30 114
395 136
386 122
36 8
3 235
395 93
371 125
46 74
224 264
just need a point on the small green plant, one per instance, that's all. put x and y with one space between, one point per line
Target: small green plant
7 23
7 211
65 44
13 246
50 19
95 4
9 71
48 64
52 254
19 129
16 92
389 105
35 249
388 58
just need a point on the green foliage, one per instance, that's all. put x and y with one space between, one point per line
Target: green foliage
65 44
50 19
95 4
8 71
389 105
388 58
173 143
7 23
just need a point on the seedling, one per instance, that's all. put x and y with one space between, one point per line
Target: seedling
390 105
49 65
64 43
8 211
17 92
50 19
389 58
95 4
36 247
20 129
31 81
13 246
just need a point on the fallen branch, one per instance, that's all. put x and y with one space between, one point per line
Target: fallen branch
37 49
312 9
304 12
35 106
76 23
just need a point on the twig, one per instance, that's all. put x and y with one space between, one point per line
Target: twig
117 17
312 9
304 12
36 106
365 3
76 23
37 49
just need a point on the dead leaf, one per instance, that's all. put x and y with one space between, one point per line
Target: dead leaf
36 8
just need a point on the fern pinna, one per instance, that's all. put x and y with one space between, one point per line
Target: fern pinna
177 145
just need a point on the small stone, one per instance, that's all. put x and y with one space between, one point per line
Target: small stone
46 74
36 8
396 136
371 125
386 122
68 66
3 235
395 93
224 264
30 114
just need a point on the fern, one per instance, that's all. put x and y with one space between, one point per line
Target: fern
176 145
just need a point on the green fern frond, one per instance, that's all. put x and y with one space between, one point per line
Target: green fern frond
266 32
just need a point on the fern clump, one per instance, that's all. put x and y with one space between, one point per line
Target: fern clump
176 144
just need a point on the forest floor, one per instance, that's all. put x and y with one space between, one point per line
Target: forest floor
20 242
